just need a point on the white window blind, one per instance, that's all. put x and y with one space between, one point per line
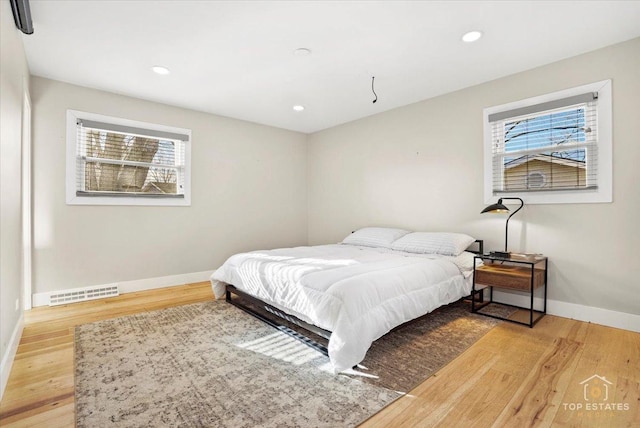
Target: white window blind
554 148
116 160
550 146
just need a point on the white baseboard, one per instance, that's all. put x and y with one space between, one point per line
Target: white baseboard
590 314
42 299
600 316
10 354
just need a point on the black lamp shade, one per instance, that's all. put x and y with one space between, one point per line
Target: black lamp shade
495 208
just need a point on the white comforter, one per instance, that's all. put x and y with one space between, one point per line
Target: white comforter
357 293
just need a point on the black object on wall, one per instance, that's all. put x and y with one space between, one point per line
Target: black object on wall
22 15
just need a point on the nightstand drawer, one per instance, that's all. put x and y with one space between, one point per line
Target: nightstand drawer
509 276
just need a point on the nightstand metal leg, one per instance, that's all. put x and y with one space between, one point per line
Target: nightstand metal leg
532 289
544 307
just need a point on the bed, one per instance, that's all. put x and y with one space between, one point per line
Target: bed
356 291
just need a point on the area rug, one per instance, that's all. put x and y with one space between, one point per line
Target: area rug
210 364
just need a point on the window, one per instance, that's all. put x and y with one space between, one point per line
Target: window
551 149
113 161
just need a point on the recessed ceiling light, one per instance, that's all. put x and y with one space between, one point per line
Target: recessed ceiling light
158 69
298 108
471 36
302 52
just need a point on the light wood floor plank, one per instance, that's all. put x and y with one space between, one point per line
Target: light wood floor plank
513 376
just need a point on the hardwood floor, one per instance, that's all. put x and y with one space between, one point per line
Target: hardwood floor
40 390
513 376
516 376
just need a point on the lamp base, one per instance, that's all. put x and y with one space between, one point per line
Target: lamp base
500 254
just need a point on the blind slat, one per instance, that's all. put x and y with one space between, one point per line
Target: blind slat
127 163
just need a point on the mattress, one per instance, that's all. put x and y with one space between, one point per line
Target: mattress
357 293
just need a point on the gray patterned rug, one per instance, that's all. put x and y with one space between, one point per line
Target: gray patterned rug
210 364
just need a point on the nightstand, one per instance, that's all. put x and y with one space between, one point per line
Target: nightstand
525 273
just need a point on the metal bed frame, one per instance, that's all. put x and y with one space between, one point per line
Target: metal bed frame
242 296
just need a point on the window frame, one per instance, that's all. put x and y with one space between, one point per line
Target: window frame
73 198
603 193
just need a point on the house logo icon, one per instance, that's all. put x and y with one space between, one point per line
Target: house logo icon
596 388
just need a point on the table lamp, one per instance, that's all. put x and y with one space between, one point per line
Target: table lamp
499 208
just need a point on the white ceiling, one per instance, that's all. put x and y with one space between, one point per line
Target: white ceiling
235 58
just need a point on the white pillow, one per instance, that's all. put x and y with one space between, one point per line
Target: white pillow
374 236
447 244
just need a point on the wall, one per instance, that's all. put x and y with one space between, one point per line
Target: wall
420 167
248 192
14 77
